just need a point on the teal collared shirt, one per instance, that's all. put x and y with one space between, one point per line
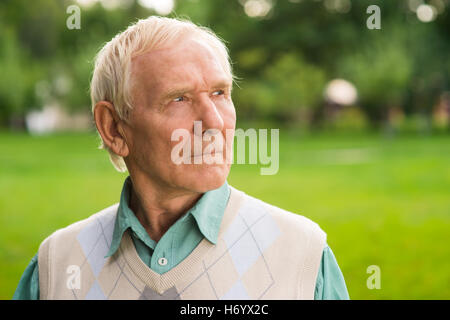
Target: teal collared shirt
201 221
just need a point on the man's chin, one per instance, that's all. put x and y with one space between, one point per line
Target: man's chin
206 178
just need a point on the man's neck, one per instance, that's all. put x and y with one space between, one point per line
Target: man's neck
157 208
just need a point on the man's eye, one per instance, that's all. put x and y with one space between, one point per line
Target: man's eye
179 99
218 92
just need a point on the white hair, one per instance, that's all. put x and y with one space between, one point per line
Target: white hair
112 68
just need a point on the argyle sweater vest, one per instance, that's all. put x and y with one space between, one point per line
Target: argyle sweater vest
262 252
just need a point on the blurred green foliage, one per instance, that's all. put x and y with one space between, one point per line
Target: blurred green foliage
287 87
283 59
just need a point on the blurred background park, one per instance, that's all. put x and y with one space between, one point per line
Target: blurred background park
364 119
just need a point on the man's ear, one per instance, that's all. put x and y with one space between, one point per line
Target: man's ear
109 126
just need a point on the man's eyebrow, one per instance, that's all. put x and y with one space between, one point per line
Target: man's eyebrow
173 93
176 92
222 84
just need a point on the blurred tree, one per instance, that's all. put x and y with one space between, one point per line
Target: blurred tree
284 52
381 70
288 90
17 93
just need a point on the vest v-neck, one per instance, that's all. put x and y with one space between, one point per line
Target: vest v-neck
162 282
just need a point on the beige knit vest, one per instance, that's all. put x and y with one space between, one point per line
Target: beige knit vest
262 252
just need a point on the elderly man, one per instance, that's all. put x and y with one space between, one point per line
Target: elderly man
179 231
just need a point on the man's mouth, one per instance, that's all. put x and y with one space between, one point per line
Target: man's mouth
207 154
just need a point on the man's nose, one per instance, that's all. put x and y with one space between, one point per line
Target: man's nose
209 115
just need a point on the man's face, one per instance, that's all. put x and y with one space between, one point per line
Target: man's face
172 88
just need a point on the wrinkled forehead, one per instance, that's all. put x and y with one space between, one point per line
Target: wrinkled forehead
179 62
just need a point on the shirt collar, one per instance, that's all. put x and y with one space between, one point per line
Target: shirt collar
208 213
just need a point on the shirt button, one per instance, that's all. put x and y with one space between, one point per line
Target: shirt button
162 261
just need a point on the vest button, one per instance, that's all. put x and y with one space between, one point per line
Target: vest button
162 261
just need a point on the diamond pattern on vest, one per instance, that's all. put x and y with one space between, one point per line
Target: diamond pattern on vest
150 294
95 240
251 232
237 292
95 293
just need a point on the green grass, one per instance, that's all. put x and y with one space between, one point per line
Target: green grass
381 201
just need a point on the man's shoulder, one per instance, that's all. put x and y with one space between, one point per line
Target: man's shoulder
95 223
282 235
286 219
